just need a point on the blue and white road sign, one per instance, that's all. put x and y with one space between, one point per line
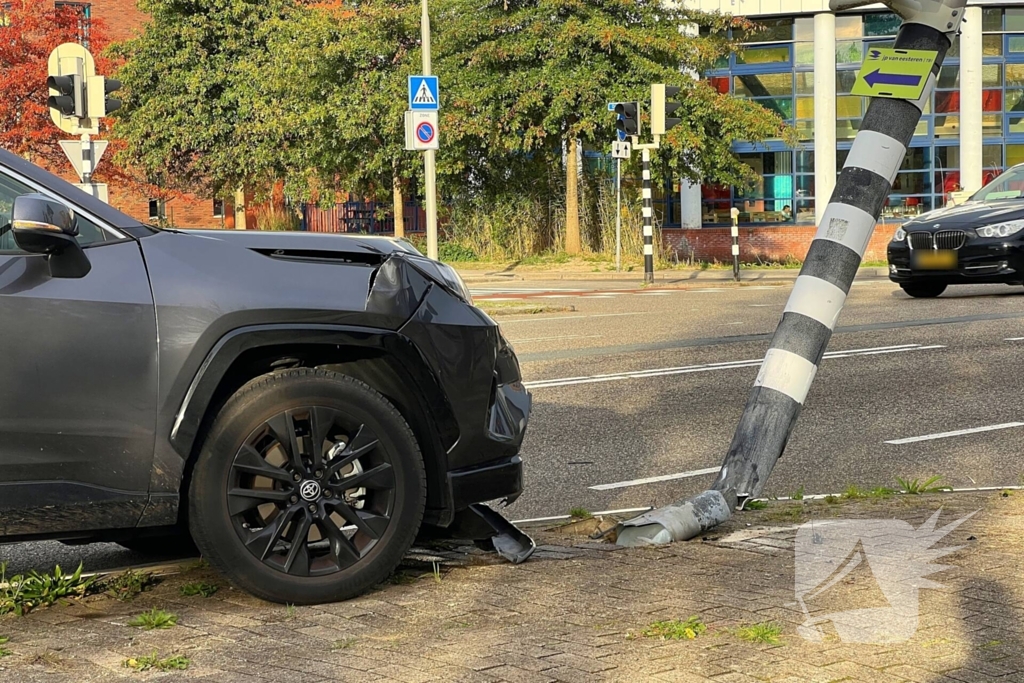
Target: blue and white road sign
425 132
423 93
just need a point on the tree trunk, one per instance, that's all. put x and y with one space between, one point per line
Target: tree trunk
399 202
572 199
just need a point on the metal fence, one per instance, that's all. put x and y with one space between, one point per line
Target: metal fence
368 218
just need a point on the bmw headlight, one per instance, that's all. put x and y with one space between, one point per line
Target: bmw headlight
899 235
1001 229
443 275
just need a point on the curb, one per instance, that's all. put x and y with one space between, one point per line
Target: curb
675 277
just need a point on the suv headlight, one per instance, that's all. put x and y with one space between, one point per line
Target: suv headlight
899 235
1001 229
443 275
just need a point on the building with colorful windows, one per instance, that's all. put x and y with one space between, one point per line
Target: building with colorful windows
803 66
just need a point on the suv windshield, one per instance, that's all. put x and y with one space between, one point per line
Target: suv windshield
1009 185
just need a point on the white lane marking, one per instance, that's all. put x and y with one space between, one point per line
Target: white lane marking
654 293
1014 339
653 480
687 369
567 336
764 305
958 432
535 319
556 518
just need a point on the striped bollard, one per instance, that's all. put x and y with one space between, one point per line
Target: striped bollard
819 292
648 218
735 213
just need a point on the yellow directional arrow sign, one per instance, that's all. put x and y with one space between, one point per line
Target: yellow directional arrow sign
899 74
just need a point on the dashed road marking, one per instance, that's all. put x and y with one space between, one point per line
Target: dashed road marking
957 432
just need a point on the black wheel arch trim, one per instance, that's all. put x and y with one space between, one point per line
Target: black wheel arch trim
425 406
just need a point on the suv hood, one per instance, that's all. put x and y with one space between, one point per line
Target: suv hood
310 244
969 215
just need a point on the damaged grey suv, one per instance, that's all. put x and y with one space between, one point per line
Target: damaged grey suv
301 405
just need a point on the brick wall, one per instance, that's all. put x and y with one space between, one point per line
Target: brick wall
766 244
123 18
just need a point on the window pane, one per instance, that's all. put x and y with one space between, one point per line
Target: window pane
947 101
992 100
1016 125
949 77
991 20
848 107
947 126
847 129
805 107
912 183
917 159
947 158
804 129
845 81
992 156
1014 155
1014 20
991 125
763 85
804 29
782 107
772 30
1015 74
849 52
805 83
991 75
881 24
805 162
763 55
954 49
804 186
1013 100
804 53
848 26
991 46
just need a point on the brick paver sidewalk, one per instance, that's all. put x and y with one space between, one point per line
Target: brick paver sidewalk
577 613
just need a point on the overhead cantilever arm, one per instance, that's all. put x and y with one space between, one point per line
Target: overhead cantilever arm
820 290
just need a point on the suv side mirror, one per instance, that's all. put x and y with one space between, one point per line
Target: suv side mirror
44 226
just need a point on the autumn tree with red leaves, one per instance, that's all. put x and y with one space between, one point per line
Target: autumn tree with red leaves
29 30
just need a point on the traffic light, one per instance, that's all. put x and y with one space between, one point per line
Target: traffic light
662 108
629 117
99 90
66 95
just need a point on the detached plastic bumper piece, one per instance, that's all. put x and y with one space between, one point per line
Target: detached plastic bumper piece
480 523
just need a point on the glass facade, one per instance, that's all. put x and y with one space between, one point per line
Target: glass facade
776 71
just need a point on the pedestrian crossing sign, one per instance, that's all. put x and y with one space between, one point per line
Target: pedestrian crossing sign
423 94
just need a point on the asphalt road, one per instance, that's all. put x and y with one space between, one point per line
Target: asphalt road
650 383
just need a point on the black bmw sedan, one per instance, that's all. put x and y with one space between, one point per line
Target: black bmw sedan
979 241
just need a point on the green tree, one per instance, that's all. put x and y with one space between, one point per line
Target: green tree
532 77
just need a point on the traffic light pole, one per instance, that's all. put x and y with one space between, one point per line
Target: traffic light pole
820 290
429 156
648 212
618 215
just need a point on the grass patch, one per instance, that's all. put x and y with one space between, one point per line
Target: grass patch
201 588
343 644
916 487
499 308
126 585
154 661
580 513
786 513
23 592
767 632
154 619
675 629
798 494
755 505
4 652
831 500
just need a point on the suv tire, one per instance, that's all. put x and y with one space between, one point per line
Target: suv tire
924 291
261 481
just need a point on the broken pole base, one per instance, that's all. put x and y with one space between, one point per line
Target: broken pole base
679 522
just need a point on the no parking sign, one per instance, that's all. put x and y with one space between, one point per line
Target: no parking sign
421 130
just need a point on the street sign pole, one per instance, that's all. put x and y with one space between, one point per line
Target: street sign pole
618 215
832 261
429 156
648 211
735 213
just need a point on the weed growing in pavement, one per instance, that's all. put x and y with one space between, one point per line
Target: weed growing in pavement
767 632
126 585
4 652
202 588
1006 493
23 592
675 629
153 661
881 492
831 500
917 487
154 619
853 493
754 504
343 644
198 564
580 513
786 513
798 494
437 572
289 611
49 659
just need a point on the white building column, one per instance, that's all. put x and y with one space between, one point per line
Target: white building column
689 193
824 111
970 101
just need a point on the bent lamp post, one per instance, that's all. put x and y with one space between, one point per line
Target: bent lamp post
821 288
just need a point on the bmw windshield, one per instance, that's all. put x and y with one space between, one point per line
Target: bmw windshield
1009 185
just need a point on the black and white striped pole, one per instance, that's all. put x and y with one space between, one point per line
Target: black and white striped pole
735 213
648 211
820 290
